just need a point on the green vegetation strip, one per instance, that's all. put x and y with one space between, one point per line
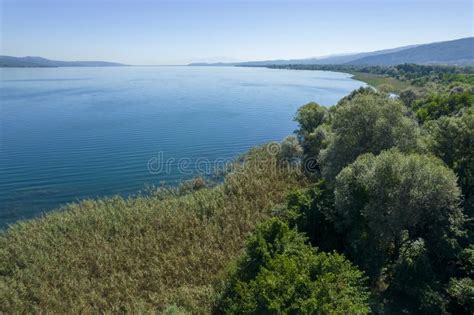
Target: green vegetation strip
381 82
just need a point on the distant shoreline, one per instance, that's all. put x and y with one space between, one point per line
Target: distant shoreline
39 62
29 67
81 66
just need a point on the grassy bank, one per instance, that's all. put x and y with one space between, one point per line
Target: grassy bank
396 78
139 254
379 81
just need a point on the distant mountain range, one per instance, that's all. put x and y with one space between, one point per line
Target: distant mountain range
454 52
460 52
9 61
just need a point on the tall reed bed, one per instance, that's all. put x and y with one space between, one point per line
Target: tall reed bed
139 254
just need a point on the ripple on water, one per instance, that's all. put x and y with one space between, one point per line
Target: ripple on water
73 133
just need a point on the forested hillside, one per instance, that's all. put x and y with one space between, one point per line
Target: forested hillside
457 52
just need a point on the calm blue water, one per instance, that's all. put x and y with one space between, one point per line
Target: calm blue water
73 133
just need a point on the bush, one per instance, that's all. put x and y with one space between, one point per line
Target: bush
280 274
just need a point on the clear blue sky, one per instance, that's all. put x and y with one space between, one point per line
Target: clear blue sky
177 32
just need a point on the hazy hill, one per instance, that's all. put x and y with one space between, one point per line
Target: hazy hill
10 61
456 52
460 52
332 59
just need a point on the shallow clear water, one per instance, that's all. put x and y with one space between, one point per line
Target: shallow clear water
73 133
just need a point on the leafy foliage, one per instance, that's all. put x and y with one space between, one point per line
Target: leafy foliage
452 139
416 74
309 117
395 213
462 291
461 287
401 222
280 274
366 124
439 104
312 133
290 150
309 210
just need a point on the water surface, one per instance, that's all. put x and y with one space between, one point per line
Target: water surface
72 133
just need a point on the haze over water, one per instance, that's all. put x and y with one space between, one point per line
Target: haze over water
72 133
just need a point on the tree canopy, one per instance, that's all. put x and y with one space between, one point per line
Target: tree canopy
366 124
452 139
280 274
400 218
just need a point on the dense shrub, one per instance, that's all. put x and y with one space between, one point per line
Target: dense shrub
309 210
280 274
437 104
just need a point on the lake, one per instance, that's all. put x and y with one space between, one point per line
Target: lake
72 133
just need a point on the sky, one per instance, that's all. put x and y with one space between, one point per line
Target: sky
178 32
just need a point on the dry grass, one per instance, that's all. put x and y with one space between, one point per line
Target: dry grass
140 254
376 80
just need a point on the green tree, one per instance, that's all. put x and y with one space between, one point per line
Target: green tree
438 104
290 150
461 287
367 91
401 221
281 274
309 210
452 139
367 123
408 96
462 291
309 117
312 134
